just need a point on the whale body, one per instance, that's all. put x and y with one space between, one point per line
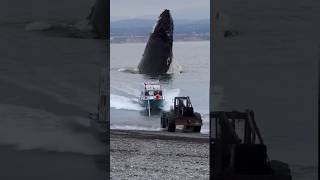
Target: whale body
157 56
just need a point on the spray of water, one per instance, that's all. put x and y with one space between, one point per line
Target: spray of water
122 102
169 96
175 68
126 90
132 103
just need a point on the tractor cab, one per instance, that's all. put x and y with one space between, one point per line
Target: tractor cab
183 106
181 114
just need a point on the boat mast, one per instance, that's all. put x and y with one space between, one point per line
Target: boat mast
149 107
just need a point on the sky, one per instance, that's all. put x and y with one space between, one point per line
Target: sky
150 9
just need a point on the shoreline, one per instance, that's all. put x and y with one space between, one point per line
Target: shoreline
143 42
161 135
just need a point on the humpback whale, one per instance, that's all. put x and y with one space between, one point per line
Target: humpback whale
157 55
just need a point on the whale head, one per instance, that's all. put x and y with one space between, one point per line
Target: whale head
164 25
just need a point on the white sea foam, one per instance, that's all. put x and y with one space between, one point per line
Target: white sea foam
131 127
122 102
175 68
169 95
127 90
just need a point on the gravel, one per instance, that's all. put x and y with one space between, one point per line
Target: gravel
134 157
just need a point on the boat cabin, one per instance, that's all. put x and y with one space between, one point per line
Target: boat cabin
152 91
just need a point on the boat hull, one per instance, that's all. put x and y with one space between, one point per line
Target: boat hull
154 104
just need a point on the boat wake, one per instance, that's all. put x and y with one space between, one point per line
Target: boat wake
126 103
128 100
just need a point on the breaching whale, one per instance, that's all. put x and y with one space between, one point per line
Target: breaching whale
157 55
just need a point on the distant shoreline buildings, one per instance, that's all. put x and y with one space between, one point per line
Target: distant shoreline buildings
144 39
138 30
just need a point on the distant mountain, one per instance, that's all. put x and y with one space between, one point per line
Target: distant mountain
143 27
197 27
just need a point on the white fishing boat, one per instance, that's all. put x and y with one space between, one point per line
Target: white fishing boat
151 96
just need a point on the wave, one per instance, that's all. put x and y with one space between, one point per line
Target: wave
132 127
174 68
122 102
123 88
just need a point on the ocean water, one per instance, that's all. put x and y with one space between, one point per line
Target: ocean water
189 76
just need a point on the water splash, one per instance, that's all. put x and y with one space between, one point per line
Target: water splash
175 68
122 102
132 127
169 95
